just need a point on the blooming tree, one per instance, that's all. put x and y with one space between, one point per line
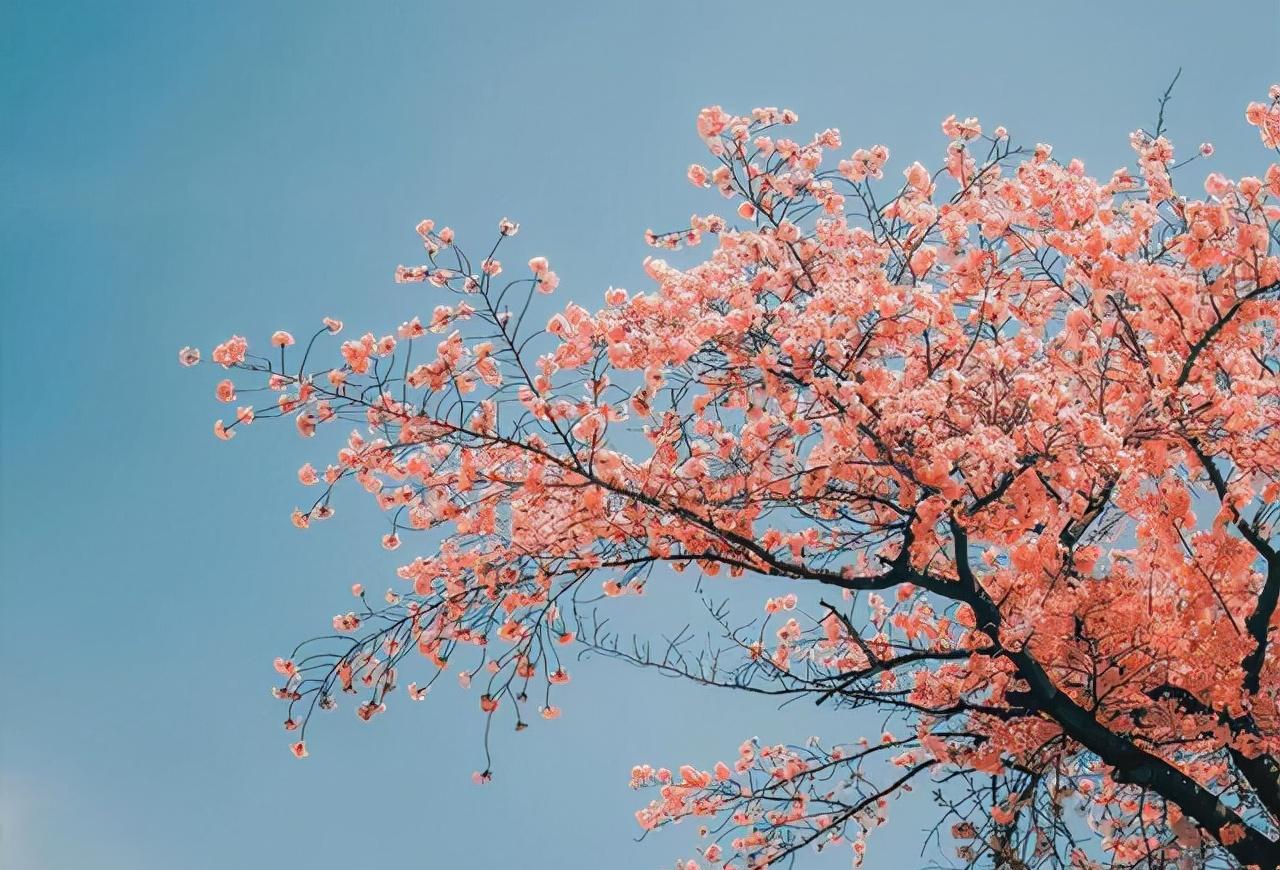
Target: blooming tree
1006 437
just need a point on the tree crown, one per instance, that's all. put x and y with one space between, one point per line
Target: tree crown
972 419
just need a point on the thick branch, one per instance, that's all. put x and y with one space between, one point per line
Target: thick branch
1130 763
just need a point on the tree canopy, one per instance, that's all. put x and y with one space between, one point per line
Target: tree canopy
1005 436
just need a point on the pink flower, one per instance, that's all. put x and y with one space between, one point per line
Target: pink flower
280 338
411 329
410 274
306 423
1217 184
299 749
538 265
368 710
188 356
508 227
548 282
346 622
357 353
222 432
712 121
225 391
231 351
334 326
962 130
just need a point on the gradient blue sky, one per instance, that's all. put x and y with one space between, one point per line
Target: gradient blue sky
172 172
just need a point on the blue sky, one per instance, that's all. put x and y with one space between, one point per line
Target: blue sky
173 172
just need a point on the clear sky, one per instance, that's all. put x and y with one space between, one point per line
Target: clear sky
172 172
